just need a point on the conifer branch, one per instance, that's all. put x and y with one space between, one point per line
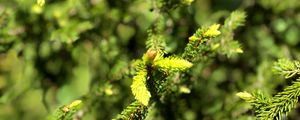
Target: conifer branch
135 111
155 39
150 77
286 68
228 45
256 99
167 5
139 87
198 42
283 102
66 112
235 20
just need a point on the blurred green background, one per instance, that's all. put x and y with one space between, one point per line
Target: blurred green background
65 50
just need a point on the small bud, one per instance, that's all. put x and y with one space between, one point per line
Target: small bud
245 95
238 50
151 54
108 91
184 89
66 109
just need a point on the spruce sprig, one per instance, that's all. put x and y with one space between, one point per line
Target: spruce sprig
139 87
283 102
256 99
236 19
229 46
135 111
66 112
286 68
154 69
172 64
198 44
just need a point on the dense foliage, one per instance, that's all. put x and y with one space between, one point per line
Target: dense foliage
149 59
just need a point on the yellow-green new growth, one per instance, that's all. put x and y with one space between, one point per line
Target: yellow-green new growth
139 88
40 2
187 2
245 95
75 104
173 64
212 31
193 38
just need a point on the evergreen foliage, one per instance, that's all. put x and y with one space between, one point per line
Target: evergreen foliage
283 102
152 60
66 112
135 111
139 88
286 68
229 46
172 64
41 2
